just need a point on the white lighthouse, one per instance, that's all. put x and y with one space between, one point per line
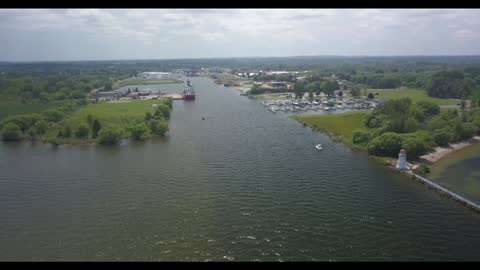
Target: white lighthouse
402 160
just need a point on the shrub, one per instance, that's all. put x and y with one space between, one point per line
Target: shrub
429 108
76 94
139 131
96 128
109 136
162 111
148 116
11 132
67 132
387 144
24 122
158 127
41 127
360 137
81 131
415 147
52 115
422 170
443 137
467 131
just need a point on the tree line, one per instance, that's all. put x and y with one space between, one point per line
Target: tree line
416 127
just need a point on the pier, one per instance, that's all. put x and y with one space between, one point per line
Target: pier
451 194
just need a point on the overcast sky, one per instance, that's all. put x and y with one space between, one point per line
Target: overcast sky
102 34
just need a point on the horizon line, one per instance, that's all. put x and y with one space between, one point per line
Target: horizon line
237 57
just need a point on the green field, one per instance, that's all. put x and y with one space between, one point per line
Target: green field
114 114
13 106
338 126
118 115
414 94
143 82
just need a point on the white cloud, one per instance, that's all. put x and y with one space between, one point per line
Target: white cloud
262 31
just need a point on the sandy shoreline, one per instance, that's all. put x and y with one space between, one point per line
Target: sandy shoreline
441 152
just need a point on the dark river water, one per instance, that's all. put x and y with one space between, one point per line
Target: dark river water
244 184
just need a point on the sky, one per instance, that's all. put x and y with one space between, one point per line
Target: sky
105 34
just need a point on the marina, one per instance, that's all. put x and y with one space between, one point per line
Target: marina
302 105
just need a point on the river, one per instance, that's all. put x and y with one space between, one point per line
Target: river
242 185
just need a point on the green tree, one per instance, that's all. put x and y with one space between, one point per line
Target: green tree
387 144
108 86
52 115
139 131
467 130
11 132
310 94
299 89
355 92
449 84
442 137
24 122
410 125
96 128
329 87
90 119
67 132
463 104
360 137
82 131
415 147
429 108
158 127
41 127
109 136
148 116
163 110
77 94
169 102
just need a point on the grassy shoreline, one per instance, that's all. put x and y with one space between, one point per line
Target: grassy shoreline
84 125
143 82
339 127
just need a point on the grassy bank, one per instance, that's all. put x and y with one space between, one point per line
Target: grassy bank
414 94
110 115
143 82
339 127
271 96
114 114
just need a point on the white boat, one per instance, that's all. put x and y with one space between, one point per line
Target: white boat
319 147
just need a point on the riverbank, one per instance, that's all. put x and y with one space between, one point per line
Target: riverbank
339 127
441 152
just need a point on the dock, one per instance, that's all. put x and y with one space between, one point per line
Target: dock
451 194
174 96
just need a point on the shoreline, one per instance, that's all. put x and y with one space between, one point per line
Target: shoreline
441 152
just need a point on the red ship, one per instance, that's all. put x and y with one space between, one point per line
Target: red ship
188 92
